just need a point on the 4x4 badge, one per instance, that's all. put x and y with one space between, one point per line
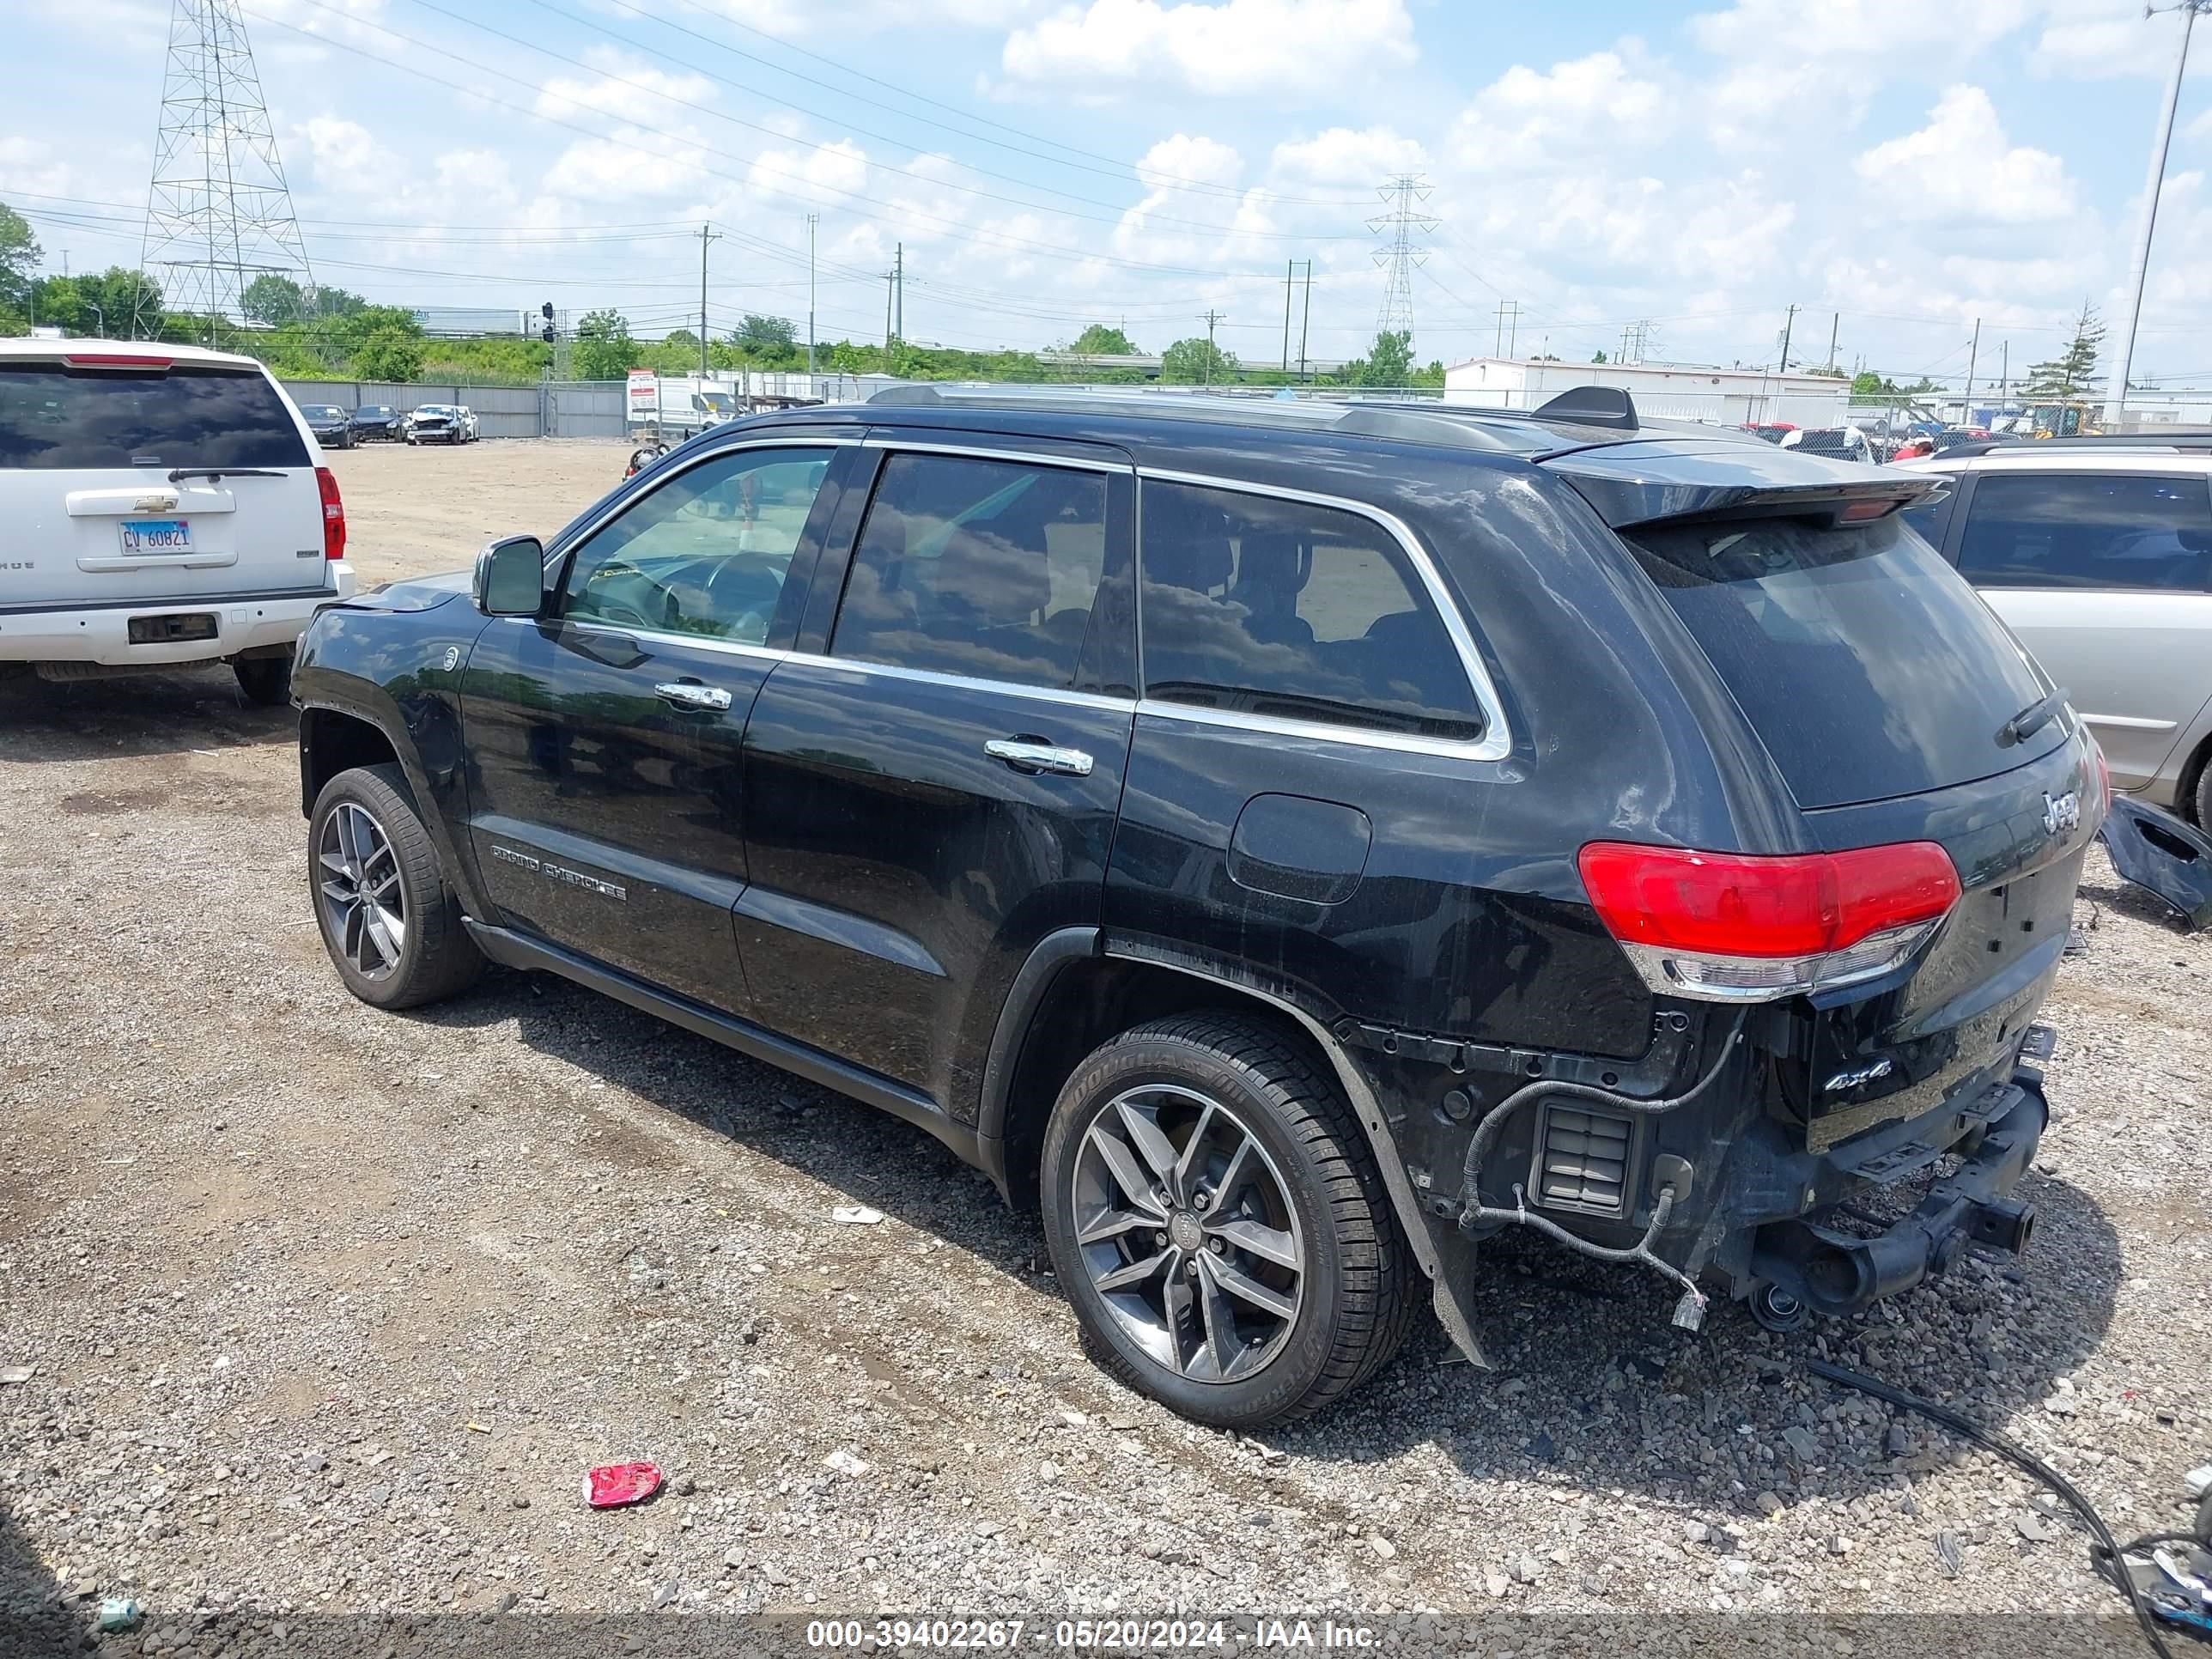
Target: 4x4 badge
2062 812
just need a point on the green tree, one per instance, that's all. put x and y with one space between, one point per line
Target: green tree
353 329
1867 384
680 337
13 322
2074 370
20 254
766 336
1197 362
1599 358
604 351
1100 341
272 297
389 354
1390 359
336 302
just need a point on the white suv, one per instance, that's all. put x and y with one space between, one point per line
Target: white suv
2097 552
159 505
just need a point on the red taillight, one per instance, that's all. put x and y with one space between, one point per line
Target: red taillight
114 359
334 515
1728 924
1860 511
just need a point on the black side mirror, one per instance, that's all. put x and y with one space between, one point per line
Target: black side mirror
510 577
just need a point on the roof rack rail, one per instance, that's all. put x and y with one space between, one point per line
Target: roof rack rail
1592 405
2176 440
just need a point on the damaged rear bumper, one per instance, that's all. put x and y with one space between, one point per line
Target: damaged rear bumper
1837 1271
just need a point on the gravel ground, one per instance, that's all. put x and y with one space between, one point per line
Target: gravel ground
328 1309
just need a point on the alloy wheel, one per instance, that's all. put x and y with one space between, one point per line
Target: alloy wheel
1187 1230
364 906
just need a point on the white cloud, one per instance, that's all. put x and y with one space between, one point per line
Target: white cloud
1815 61
2200 129
2097 40
1958 169
1527 119
1238 47
843 166
1346 156
1185 159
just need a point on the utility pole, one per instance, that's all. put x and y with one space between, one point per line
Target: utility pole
1788 323
2004 368
1835 323
1973 351
890 277
1305 317
706 236
898 284
1289 265
2115 389
1212 318
810 219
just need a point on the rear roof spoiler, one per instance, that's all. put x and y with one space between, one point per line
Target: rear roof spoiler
1648 483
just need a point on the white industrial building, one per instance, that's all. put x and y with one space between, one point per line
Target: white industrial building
1674 391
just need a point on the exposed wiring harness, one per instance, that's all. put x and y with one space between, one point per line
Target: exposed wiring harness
2105 1555
1690 1311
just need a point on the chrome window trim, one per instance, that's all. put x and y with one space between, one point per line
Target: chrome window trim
1496 742
1280 726
556 555
965 682
768 653
1019 456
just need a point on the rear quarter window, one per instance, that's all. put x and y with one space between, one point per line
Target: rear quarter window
1866 666
2089 530
53 417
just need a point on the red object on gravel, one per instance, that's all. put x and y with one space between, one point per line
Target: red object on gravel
611 1486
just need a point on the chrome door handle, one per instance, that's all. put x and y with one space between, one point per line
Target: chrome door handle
1039 757
687 693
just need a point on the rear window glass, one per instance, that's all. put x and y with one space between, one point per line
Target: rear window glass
1866 666
52 417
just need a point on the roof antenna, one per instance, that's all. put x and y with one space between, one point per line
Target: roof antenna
1592 405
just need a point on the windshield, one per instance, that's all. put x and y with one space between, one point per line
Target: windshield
52 417
322 412
1867 666
375 411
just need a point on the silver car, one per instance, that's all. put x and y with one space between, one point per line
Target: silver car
2098 553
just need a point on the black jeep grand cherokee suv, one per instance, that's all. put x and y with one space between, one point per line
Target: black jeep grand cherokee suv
1286 843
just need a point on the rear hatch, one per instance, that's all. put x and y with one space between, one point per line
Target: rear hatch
1890 699
106 488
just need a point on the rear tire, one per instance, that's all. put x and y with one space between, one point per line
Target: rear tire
266 681
391 924
1282 1280
2197 805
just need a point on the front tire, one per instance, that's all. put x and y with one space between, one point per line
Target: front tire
266 681
391 924
1217 1218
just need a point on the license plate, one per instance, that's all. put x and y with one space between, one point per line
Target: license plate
165 631
157 535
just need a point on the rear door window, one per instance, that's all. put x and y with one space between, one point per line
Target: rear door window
1868 668
1262 605
53 417
2088 530
986 568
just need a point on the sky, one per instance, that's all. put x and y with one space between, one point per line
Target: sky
1893 169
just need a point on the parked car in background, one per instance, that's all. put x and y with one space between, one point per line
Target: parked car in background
467 417
159 506
2097 552
1357 921
333 425
436 423
1841 443
1774 431
377 420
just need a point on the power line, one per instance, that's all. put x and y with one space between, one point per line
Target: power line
953 228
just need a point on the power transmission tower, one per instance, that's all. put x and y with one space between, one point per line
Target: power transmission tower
1401 256
218 212
1639 340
